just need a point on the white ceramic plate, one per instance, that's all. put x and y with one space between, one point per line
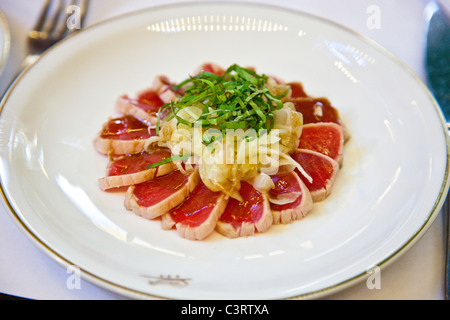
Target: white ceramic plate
388 193
5 40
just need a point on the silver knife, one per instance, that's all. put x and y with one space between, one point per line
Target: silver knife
438 78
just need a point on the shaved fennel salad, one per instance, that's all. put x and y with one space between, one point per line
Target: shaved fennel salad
236 125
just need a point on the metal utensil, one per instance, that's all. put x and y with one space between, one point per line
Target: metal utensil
438 74
52 26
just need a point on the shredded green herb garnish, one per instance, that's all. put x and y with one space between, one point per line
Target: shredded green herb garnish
238 99
167 160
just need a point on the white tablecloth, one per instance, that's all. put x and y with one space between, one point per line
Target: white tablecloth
418 274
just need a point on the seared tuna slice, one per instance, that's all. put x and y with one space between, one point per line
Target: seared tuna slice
321 168
123 135
316 110
135 168
211 68
197 216
245 218
158 196
290 199
165 89
145 107
325 138
297 90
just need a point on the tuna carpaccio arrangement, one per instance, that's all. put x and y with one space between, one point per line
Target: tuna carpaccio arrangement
225 150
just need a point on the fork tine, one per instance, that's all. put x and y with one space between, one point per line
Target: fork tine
61 29
84 7
53 21
43 17
53 25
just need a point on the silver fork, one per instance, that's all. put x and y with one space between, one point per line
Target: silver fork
58 20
